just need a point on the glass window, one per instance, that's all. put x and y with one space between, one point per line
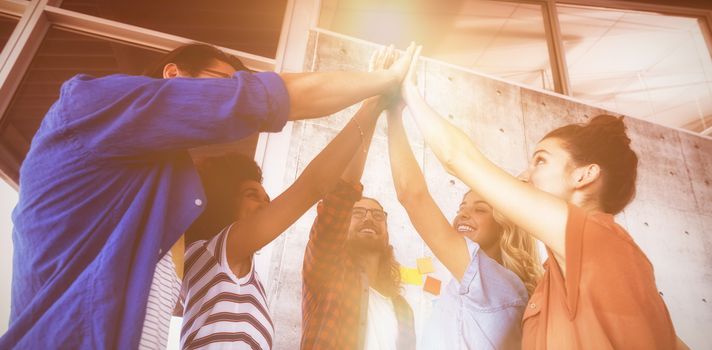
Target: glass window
249 26
7 26
62 55
504 39
641 64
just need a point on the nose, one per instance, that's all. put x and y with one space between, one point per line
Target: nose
263 204
462 214
368 216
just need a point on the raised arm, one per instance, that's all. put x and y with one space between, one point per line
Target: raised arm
320 176
323 257
449 246
313 95
540 213
371 107
381 60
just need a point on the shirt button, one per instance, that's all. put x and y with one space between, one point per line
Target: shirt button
198 202
160 251
532 305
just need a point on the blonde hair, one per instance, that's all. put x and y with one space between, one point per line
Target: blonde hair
519 253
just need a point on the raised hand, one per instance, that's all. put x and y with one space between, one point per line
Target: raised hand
400 67
382 58
398 101
410 82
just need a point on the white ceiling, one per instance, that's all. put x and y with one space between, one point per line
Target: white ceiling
645 65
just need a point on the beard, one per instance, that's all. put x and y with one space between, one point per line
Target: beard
361 245
366 243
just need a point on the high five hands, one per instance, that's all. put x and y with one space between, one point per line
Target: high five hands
404 68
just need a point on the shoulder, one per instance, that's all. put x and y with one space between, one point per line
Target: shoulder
87 92
489 285
602 235
213 246
609 253
489 268
195 247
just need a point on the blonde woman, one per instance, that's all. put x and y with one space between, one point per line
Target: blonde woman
495 266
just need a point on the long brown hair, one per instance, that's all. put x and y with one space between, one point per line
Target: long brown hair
389 278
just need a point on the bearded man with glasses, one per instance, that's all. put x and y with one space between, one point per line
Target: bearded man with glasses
352 292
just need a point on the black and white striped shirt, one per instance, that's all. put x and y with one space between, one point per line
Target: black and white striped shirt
222 310
162 300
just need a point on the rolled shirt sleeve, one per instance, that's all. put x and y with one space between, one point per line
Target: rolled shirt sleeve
325 251
124 116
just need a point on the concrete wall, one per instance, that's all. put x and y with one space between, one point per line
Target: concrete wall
671 218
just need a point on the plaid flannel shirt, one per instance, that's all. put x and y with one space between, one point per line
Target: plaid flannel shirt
335 289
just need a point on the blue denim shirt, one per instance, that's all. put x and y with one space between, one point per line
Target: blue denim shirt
483 311
107 188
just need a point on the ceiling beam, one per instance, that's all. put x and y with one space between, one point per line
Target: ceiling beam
108 29
557 56
21 47
701 125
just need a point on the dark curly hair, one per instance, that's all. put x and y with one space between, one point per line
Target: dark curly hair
603 141
221 177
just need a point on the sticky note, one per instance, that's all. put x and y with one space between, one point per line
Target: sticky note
425 265
411 275
432 285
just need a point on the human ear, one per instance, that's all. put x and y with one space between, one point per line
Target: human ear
586 175
170 70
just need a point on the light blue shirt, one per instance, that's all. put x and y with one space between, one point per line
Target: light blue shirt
483 311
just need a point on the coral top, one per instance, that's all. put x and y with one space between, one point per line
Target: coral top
608 298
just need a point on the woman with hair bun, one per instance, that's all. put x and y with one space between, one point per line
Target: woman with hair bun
598 290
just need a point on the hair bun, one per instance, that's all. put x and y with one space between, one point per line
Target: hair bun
613 127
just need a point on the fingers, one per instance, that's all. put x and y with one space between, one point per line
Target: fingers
376 61
411 49
414 64
416 55
390 57
382 58
372 60
409 52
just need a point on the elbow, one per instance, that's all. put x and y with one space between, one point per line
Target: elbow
403 196
449 159
410 195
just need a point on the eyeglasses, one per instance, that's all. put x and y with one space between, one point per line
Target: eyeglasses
376 214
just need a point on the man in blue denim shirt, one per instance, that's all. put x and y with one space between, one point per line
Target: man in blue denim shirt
108 186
